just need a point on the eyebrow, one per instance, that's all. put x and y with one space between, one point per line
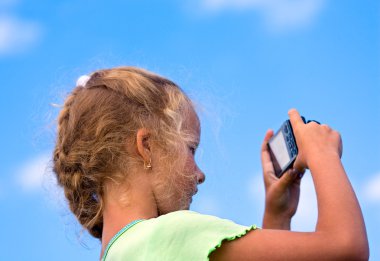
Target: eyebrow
196 143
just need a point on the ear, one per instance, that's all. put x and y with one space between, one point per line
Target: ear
143 144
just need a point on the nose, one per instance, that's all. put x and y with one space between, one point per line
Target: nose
200 177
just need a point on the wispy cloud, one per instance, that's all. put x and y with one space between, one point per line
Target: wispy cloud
307 213
306 217
32 174
36 176
17 35
372 189
278 15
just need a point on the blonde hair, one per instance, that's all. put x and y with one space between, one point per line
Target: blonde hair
99 119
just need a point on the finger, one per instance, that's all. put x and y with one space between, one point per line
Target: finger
295 118
288 178
317 122
265 156
298 177
267 137
300 174
340 149
298 165
266 161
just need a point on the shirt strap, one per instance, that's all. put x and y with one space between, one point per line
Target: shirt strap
121 232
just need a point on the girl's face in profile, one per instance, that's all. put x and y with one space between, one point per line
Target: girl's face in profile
191 169
183 186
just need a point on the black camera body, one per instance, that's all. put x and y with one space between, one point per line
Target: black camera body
283 148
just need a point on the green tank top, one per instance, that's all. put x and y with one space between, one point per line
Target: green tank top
180 235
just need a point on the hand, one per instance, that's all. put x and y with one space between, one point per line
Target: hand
281 194
313 140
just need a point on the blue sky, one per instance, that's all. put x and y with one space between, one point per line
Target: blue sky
245 62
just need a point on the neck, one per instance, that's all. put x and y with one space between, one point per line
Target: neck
117 214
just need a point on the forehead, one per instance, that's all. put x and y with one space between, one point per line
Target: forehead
191 122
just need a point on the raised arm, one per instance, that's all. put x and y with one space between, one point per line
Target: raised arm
340 232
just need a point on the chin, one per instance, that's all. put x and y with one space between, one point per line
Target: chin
185 205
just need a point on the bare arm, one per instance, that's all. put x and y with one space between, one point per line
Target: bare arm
340 232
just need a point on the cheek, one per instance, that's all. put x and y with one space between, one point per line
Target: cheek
184 185
190 166
173 191
189 179
186 179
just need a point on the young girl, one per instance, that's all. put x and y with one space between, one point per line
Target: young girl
125 159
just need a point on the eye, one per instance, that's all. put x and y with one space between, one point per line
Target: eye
192 149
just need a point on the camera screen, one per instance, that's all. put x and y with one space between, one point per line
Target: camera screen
280 150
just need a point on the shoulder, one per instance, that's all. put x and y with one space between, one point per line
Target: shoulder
188 217
180 234
190 220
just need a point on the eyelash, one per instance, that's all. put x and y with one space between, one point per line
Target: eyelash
192 149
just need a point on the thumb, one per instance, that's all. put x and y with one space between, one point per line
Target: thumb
298 163
288 178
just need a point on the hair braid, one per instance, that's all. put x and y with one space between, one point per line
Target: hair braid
85 201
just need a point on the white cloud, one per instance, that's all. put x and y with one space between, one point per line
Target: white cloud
372 189
36 176
17 35
307 214
33 172
278 15
305 218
